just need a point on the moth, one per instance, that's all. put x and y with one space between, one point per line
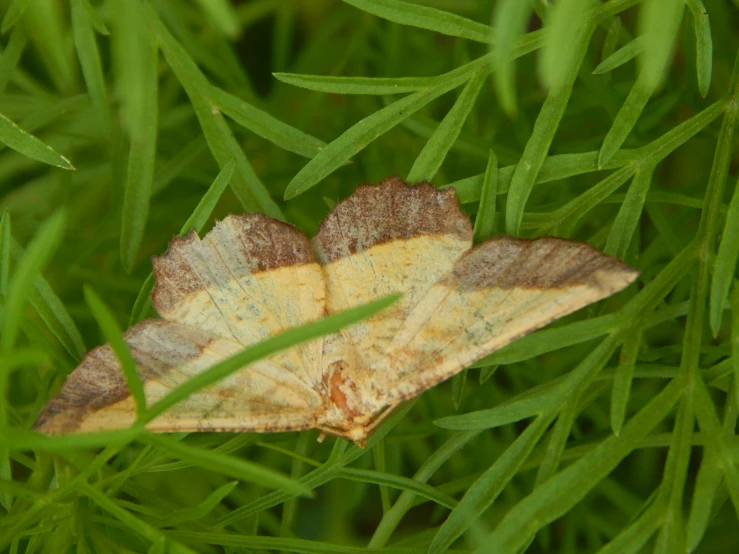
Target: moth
252 277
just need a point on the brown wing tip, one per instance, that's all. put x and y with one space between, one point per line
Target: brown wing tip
544 263
390 210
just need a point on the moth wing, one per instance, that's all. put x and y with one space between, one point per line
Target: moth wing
260 397
499 291
250 278
384 239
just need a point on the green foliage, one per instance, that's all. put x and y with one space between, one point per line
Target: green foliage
125 122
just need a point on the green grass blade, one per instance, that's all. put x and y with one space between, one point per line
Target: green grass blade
437 147
510 412
489 485
52 311
627 117
659 21
632 538
629 215
325 326
198 512
425 17
222 15
12 55
564 490
533 157
706 486
247 187
509 21
357 85
624 54
266 126
703 44
228 465
22 439
735 339
13 15
725 265
340 151
131 521
143 114
113 335
485 218
622 378
83 27
25 143
197 221
565 20
549 340
39 252
5 242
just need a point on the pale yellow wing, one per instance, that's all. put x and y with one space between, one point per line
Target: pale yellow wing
248 279
499 291
385 239
261 397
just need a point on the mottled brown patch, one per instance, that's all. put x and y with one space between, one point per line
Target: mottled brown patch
391 210
545 263
265 244
98 382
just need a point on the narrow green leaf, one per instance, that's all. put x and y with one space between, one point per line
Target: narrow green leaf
437 147
198 512
266 126
706 486
228 465
622 381
196 221
458 383
5 241
671 537
632 538
354 139
25 143
485 218
113 335
566 18
51 310
46 21
703 44
425 17
143 114
549 340
291 337
629 214
247 187
12 55
89 56
509 412
16 438
560 493
222 15
39 252
510 22
659 21
131 521
533 157
725 266
94 17
357 85
627 52
627 117
735 339
483 492
13 15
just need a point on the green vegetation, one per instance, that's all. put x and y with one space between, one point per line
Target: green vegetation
125 122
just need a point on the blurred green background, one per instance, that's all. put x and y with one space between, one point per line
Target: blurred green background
125 122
